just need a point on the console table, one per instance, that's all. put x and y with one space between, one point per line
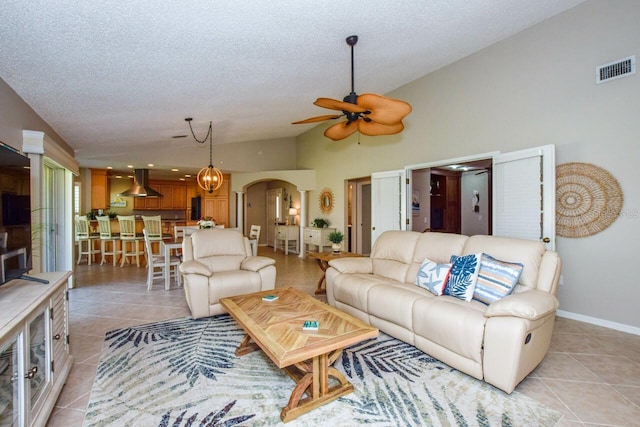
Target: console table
317 236
34 344
288 235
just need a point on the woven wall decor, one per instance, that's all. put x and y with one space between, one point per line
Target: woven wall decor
588 199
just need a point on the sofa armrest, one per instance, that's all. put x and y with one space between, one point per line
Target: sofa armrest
255 263
194 267
530 305
352 265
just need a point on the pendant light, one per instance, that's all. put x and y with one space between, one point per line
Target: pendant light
209 178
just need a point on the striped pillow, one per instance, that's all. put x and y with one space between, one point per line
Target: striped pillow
496 279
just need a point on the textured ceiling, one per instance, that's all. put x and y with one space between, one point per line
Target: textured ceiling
116 79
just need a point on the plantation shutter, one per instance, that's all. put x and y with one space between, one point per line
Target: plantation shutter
524 194
387 194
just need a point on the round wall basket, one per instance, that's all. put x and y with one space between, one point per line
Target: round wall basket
588 199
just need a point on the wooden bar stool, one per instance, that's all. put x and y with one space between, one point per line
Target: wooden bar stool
106 237
85 239
130 240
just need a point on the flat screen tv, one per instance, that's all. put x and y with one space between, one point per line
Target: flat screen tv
15 219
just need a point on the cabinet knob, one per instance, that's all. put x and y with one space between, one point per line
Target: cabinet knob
56 337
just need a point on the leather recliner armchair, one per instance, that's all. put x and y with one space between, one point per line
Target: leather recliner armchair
218 263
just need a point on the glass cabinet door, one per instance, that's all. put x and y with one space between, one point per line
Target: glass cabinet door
36 372
9 385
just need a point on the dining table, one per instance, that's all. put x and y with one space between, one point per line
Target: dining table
168 245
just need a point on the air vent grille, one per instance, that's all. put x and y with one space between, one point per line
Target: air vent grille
615 70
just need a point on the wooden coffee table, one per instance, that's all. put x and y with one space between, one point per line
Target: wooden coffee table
307 356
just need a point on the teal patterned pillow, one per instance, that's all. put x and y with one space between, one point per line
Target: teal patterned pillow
463 276
433 276
496 279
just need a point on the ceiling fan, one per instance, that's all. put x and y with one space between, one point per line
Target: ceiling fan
370 114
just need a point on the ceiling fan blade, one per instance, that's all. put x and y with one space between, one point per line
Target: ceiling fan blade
318 119
341 130
334 104
386 111
375 129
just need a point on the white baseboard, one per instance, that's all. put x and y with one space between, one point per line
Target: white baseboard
600 322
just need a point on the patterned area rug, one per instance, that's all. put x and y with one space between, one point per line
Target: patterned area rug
184 372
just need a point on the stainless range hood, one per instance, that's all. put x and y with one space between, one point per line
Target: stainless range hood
140 187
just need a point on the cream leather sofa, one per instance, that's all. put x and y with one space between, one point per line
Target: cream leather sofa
500 343
218 263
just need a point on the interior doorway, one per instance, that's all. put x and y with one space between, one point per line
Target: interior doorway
359 215
452 198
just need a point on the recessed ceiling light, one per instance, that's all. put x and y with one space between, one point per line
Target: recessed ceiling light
150 165
129 176
109 167
187 176
182 179
175 170
118 176
130 166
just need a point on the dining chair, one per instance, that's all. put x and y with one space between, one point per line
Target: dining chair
106 238
254 238
85 239
156 264
181 231
130 240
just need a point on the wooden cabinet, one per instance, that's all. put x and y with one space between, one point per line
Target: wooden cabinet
445 203
287 237
218 209
174 197
100 192
34 342
216 204
317 237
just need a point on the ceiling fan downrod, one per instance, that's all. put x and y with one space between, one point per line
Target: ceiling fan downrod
352 97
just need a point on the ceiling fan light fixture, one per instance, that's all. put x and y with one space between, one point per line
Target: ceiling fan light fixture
209 178
369 114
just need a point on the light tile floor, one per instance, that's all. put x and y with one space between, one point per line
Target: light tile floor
591 374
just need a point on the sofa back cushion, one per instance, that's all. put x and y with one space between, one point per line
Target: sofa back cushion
392 254
526 252
438 247
219 249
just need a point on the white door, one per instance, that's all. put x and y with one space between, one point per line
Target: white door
524 189
387 202
274 213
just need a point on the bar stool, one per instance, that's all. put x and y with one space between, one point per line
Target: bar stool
106 237
130 240
84 238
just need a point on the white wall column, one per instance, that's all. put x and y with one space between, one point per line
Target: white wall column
240 211
303 222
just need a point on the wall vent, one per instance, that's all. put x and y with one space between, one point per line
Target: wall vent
615 70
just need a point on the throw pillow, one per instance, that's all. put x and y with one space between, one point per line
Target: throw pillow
433 276
463 276
496 279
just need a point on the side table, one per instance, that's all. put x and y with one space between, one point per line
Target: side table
323 259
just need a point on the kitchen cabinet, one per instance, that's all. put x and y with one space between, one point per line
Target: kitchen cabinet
286 237
218 209
216 204
100 191
317 237
174 197
34 348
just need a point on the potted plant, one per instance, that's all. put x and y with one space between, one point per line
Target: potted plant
320 223
336 237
